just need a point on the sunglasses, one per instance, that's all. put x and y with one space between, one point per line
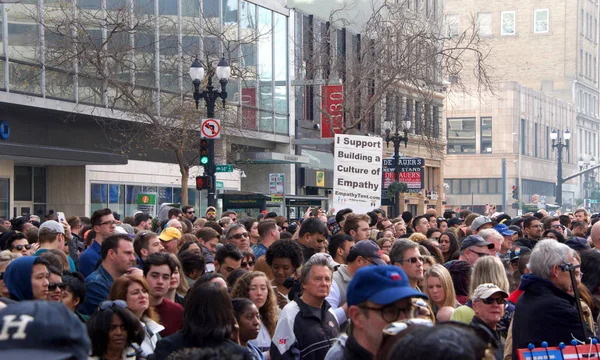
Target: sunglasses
239 236
478 253
489 301
190 212
20 247
53 286
413 260
247 264
112 304
2 275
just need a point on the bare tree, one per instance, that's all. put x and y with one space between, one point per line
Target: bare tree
113 54
401 52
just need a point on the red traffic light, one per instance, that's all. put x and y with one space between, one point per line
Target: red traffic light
514 187
203 182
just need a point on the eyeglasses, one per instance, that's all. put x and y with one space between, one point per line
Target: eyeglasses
536 225
413 260
53 286
247 264
478 253
111 304
559 226
238 236
20 247
489 301
108 223
211 213
391 313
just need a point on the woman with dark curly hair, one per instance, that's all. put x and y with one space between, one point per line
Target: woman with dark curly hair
112 329
284 257
256 287
448 245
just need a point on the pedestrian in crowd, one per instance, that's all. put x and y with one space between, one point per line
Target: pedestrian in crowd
6 257
227 259
142 222
158 270
208 323
364 253
385 244
103 223
53 235
169 239
225 222
439 288
55 284
488 305
234 276
251 225
57 258
189 213
339 248
190 243
377 296
420 225
480 223
400 229
135 292
26 278
546 311
237 235
268 232
192 264
448 245
74 293
248 261
405 254
284 258
532 232
117 260
311 237
556 235
113 329
509 236
146 243
178 287
198 224
248 320
42 330
256 287
17 243
443 224
495 238
211 213
213 278
582 215
302 331
433 234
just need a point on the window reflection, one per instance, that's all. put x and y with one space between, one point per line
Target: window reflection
461 136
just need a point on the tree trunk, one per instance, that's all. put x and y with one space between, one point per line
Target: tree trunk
185 171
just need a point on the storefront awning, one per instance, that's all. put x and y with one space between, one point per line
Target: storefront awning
57 156
271 158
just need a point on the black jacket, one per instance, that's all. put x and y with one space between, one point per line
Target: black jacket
489 335
177 341
544 313
303 333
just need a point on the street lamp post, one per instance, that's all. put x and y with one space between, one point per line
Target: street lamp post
210 96
559 143
397 138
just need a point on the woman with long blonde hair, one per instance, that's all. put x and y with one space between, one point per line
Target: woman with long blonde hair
439 288
256 286
134 290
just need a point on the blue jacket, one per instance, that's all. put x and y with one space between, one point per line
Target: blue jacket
544 313
17 278
97 286
89 258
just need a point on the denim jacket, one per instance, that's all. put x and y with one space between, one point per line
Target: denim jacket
97 286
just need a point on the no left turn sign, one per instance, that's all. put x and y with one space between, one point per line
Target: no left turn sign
210 129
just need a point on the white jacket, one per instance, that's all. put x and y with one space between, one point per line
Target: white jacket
151 330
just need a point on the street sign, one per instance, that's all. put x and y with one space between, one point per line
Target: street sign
220 185
210 128
593 201
276 184
224 168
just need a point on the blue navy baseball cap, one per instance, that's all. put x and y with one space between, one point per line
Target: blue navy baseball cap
383 285
504 230
42 330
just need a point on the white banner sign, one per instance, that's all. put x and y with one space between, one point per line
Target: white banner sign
357 172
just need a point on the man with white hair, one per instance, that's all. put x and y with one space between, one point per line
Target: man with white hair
174 223
494 237
547 310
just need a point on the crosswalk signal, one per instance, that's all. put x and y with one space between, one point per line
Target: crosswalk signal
204 152
515 192
203 182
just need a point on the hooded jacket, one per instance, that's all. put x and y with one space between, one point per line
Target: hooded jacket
544 313
17 278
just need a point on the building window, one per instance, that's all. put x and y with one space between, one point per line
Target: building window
541 20
484 24
523 136
461 136
474 186
508 20
452 25
486 135
535 140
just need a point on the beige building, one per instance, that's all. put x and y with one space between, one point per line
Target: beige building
485 131
546 46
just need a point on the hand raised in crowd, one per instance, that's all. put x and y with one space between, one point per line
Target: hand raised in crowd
67 228
34 248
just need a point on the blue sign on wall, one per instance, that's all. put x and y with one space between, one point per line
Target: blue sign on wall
4 130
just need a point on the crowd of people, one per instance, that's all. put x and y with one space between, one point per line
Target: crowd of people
337 285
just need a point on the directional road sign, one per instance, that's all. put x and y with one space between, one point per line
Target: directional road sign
210 129
224 168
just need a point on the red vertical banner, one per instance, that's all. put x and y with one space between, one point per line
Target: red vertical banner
249 108
332 104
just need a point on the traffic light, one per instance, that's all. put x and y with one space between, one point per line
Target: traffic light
203 182
515 193
204 152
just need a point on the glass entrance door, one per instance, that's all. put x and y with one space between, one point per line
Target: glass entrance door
23 209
